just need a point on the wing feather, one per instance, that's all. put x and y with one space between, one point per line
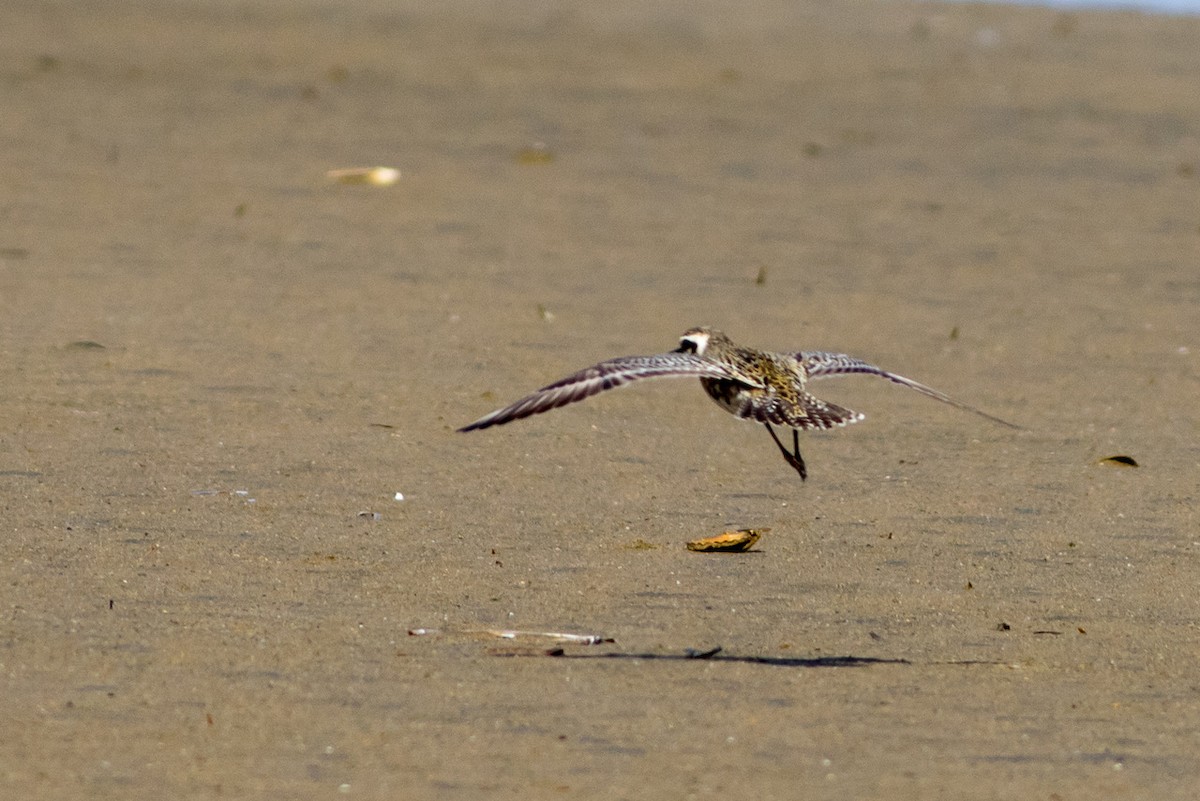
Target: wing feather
610 375
818 364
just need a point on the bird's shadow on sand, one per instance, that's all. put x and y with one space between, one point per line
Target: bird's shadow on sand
775 661
713 655
718 655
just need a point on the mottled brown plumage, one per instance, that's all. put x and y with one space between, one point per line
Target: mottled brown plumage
769 388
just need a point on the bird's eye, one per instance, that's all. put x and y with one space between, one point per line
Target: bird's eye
687 346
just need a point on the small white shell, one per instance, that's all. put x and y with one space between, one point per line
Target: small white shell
376 176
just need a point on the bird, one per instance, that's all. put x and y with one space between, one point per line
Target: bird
757 385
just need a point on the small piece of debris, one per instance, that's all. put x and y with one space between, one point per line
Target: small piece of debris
1003 627
1118 461
369 515
399 496
208 493
729 541
537 153
692 653
375 176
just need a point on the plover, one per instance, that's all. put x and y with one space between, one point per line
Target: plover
768 388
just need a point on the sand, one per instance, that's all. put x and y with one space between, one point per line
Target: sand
219 368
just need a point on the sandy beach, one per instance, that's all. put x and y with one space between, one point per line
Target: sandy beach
221 370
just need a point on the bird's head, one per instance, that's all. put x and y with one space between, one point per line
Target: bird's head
697 340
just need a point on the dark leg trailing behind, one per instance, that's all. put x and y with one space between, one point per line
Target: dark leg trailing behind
794 458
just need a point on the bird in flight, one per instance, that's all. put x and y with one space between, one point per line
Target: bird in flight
758 385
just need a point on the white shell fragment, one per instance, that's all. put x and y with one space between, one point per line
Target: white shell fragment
208 493
512 634
555 636
375 176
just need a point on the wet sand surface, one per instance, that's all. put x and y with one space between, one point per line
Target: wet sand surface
215 360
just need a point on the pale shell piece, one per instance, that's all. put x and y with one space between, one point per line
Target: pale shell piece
730 541
376 176
556 636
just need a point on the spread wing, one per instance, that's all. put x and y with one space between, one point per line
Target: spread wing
825 365
610 375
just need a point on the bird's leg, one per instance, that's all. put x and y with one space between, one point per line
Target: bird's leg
794 458
796 453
